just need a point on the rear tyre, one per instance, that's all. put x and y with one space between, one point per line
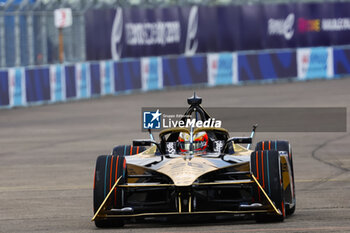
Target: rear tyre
108 169
127 150
281 146
266 167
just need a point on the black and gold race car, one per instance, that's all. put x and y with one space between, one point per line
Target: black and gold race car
196 171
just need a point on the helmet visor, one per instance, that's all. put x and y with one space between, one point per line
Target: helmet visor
197 145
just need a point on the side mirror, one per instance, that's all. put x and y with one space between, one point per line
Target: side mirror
143 142
146 142
243 140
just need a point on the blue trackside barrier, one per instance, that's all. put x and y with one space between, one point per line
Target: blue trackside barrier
151 73
70 81
4 89
57 83
107 78
127 75
22 86
222 69
267 65
95 78
83 80
37 83
315 63
341 61
185 70
17 87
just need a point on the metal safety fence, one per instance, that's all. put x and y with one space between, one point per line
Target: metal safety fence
30 38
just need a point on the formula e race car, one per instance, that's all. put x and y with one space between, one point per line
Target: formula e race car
194 171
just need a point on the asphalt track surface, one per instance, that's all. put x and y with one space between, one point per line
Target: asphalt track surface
48 153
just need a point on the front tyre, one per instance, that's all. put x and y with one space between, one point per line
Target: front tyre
266 167
282 146
108 169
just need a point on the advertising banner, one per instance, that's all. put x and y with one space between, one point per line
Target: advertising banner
37 84
185 70
57 85
135 32
151 73
222 69
4 88
140 32
315 62
83 80
267 65
147 31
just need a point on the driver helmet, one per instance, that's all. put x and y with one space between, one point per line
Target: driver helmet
200 141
